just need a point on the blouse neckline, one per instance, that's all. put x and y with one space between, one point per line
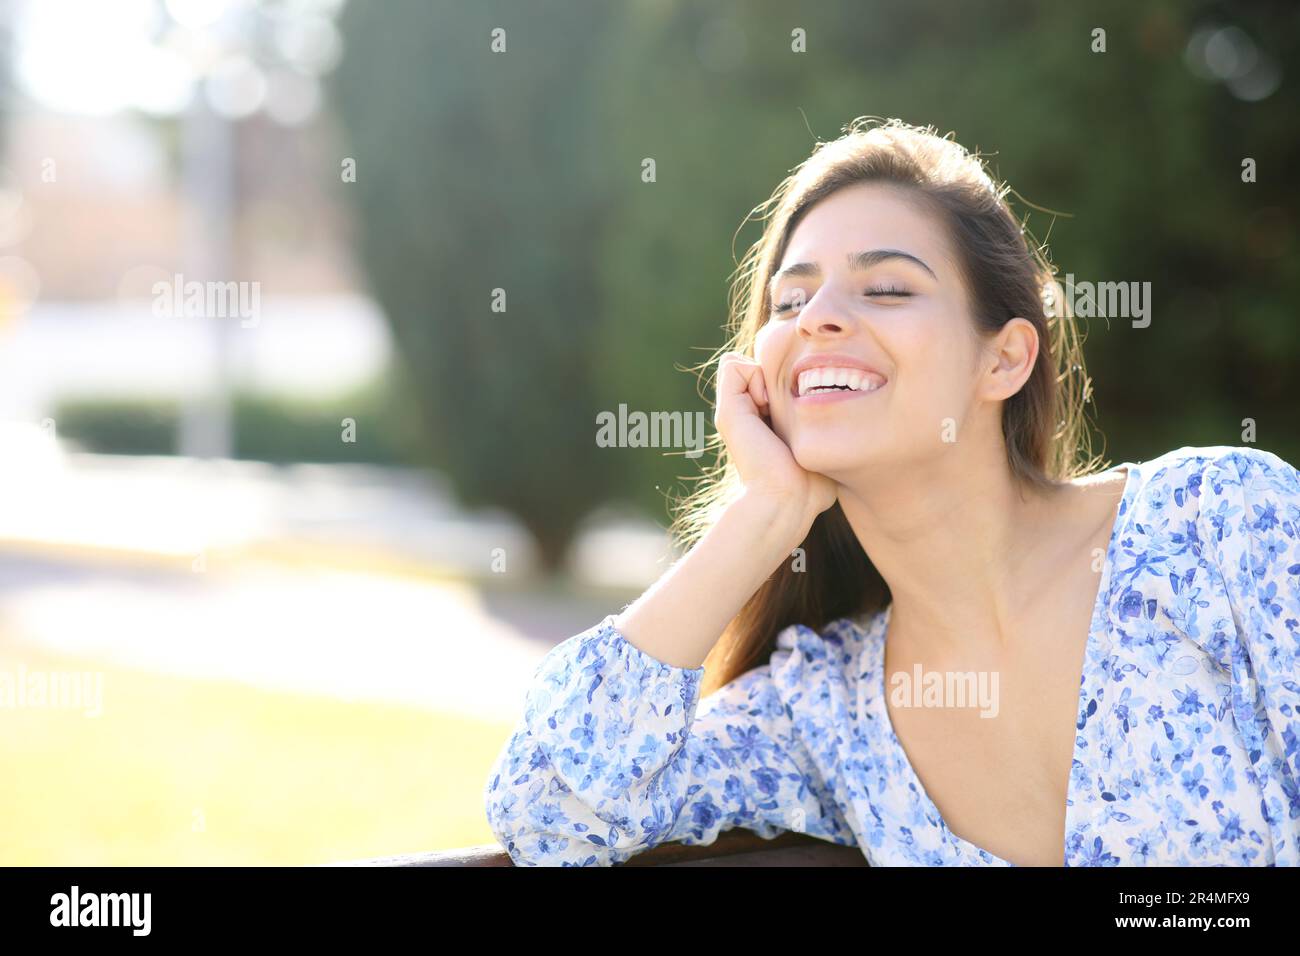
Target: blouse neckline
877 628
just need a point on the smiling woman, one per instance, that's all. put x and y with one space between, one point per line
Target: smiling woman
903 485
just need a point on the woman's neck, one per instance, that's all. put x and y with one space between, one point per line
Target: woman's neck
960 543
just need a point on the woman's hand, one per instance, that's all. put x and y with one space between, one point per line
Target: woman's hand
764 461
678 620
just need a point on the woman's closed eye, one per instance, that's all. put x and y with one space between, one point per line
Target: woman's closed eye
885 291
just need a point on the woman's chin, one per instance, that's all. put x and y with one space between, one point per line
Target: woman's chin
835 450
831 462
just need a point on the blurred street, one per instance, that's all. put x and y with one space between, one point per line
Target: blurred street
229 570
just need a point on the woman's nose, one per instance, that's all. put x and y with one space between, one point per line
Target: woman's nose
822 315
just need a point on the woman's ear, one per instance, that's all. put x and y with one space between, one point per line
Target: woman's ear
1010 355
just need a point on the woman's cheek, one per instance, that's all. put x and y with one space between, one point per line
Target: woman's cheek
768 356
935 411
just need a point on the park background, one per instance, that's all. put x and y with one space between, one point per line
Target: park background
312 637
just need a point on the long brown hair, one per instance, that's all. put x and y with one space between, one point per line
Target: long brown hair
1044 424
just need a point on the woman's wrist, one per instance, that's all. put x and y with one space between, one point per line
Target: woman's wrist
680 618
785 520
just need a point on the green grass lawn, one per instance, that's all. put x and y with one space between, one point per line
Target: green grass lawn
191 772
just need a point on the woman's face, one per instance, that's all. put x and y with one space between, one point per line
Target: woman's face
868 289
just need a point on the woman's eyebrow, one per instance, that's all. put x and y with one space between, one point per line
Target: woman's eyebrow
856 260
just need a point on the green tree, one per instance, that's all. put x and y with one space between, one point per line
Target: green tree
479 171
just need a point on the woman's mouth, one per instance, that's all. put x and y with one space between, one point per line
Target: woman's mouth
835 383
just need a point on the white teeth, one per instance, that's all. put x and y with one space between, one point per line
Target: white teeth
825 377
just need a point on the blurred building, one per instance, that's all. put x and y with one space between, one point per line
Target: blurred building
98 203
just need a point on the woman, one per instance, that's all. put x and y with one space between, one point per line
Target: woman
902 496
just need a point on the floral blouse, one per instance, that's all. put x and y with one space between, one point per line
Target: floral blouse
1187 746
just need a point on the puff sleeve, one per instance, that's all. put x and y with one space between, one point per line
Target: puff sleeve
616 753
1251 527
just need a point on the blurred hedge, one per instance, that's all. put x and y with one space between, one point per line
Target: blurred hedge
267 427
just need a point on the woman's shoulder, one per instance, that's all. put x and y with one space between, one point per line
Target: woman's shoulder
1222 461
1198 478
806 656
840 635
1220 518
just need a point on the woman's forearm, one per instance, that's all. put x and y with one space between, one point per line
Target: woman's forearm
681 617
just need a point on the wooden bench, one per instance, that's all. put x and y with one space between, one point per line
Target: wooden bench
736 847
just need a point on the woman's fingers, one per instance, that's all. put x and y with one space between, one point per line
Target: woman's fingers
739 373
731 380
739 376
758 391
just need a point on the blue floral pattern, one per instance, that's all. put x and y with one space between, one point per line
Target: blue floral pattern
1187 747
